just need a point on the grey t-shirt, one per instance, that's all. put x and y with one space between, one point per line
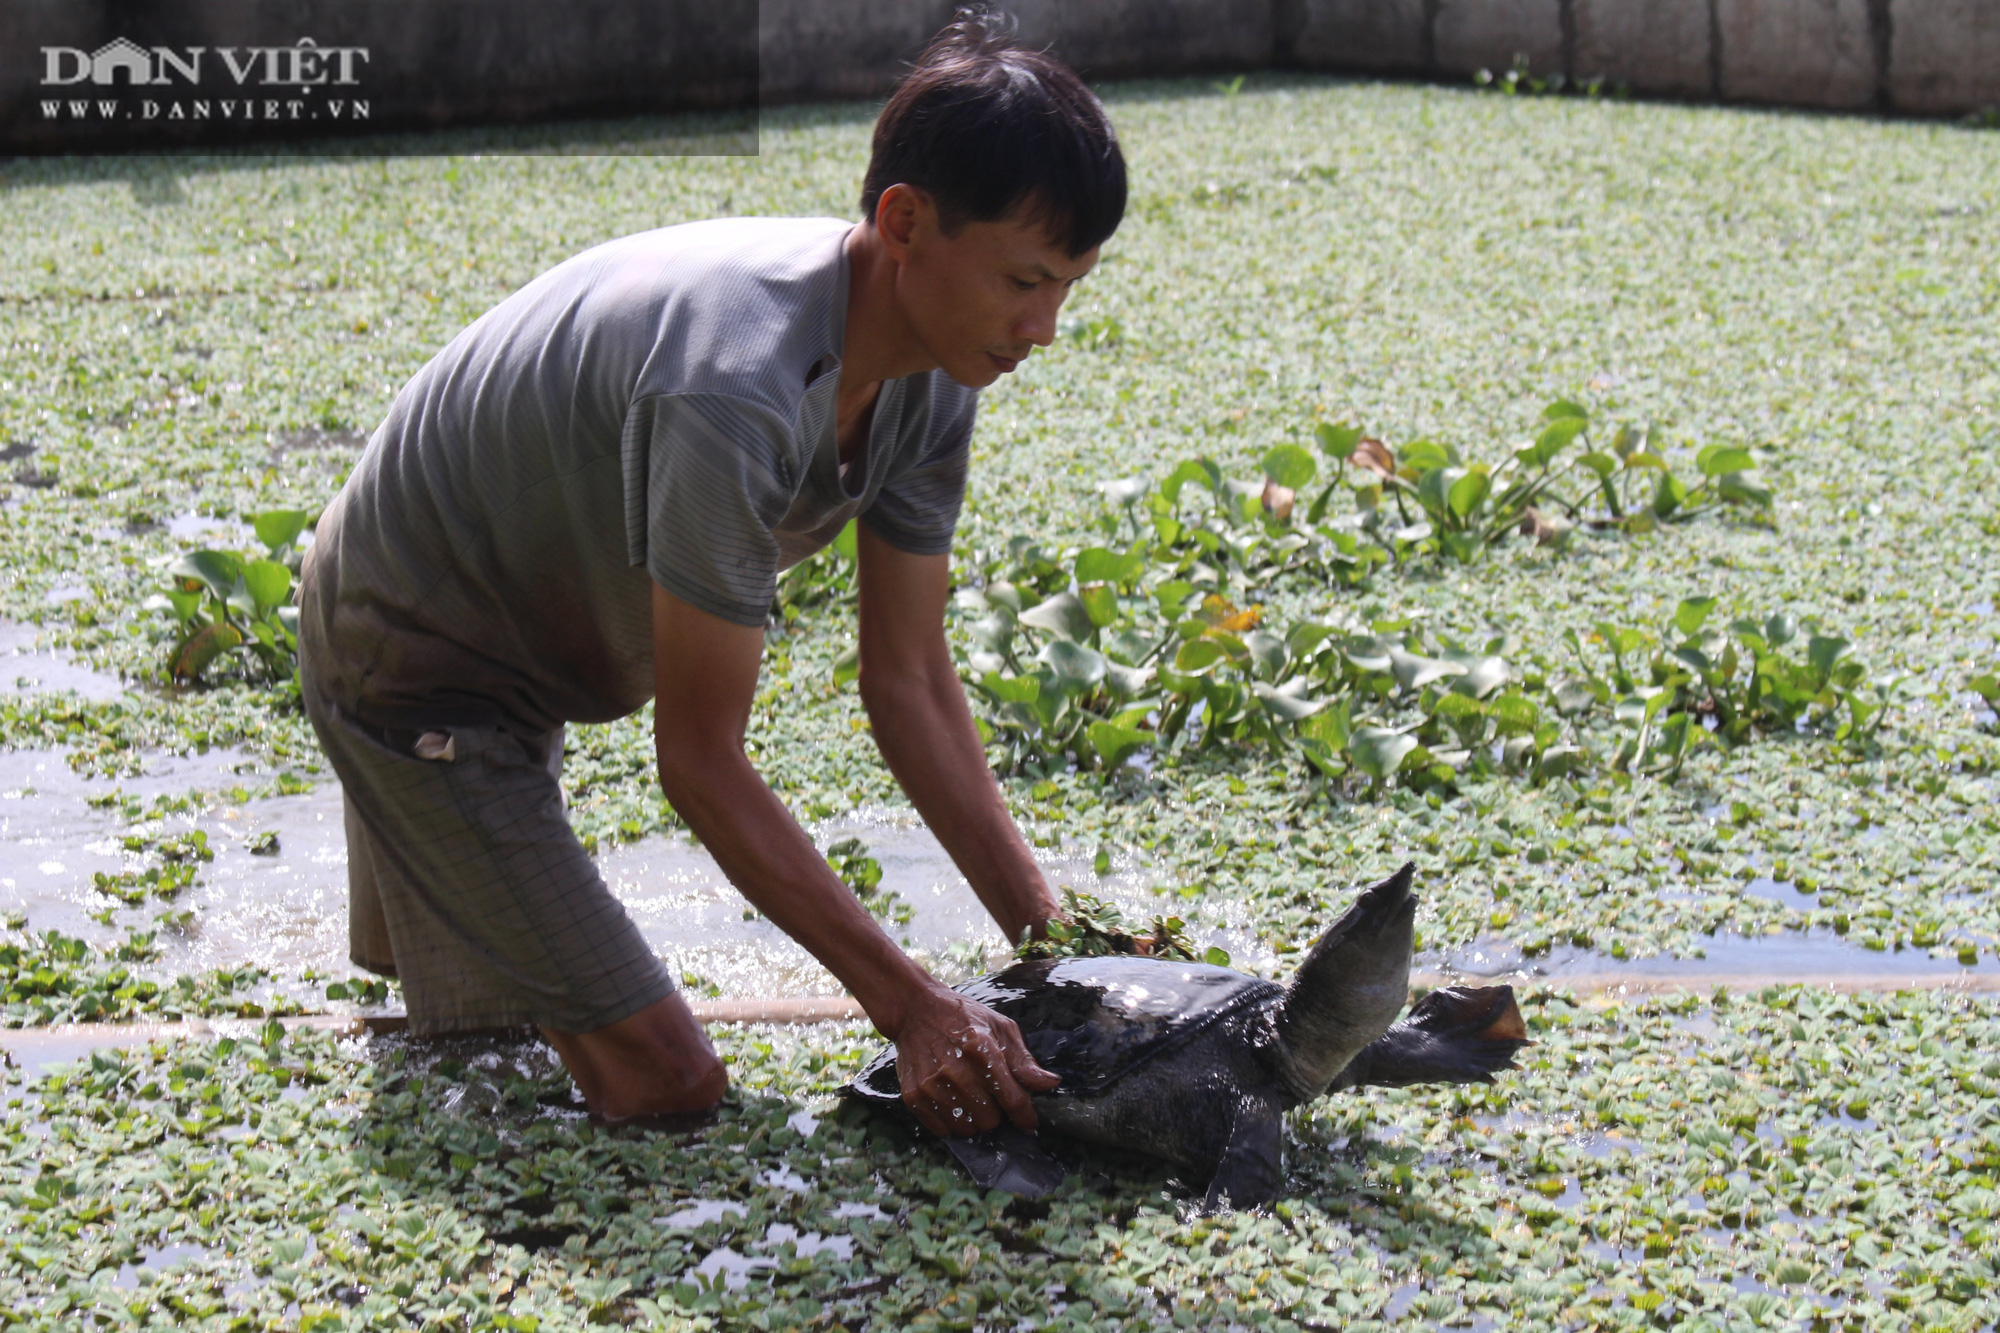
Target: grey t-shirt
657 409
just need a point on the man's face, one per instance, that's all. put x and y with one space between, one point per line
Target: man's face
981 299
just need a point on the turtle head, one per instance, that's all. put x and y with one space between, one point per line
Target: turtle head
1349 989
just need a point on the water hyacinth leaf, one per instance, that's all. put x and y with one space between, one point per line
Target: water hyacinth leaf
216 570
1694 659
847 666
1469 492
1716 460
1063 615
1286 702
278 528
1076 667
1823 650
1986 686
1600 463
1558 761
1115 744
1482 676
1575 695
182 603
1555 438
1323 757
1011 689
847 542
1100 603
1173 595
1367 653
1331 727
1099 565
1267 650
1306 636
1668 495
1125 645
1198 471
207 644
1199 656
1454 707
1127 682
1513 714
1289 466
994 632
1337 441
1379 752
1563 409
1781 628
1690 614
269 583
1426 456
1413 671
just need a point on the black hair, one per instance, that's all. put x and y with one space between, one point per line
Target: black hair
988 130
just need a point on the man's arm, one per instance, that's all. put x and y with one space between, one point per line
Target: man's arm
917 709
963 1066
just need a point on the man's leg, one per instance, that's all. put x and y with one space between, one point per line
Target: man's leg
656 1062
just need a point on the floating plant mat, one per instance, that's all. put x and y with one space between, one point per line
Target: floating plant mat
1763 1161
1815 291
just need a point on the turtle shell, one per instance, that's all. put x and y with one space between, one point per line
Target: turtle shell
1094 1020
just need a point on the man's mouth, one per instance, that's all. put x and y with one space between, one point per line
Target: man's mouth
1006 363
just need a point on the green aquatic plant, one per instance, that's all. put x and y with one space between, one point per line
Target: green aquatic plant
51 977
1571 473
1694 682
226 604
1093 927
863 873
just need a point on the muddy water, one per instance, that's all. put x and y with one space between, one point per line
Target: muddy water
286 910
24 668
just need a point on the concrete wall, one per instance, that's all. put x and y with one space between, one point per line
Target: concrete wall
437 62
1925 57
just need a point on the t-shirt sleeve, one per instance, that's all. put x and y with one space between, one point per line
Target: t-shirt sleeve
707 478
917 509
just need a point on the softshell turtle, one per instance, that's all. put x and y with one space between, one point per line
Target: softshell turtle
1197 1064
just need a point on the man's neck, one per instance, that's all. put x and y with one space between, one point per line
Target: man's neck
877 343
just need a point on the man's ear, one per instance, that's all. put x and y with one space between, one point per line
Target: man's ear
899 211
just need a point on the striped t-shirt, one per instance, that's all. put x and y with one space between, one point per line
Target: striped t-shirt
657 409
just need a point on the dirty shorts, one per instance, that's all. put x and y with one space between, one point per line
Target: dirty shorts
466 883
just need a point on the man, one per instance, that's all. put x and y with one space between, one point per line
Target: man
585 500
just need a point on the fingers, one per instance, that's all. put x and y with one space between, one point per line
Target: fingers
996 1068
1020 1063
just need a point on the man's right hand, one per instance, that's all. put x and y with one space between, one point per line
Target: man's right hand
964 1067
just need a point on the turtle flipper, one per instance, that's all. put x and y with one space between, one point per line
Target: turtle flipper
1007 1159
1459 1034
1252 1166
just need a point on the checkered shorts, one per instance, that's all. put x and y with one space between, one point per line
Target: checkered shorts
466 882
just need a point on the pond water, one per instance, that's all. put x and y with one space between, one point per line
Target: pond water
24 668
1817 956
284 907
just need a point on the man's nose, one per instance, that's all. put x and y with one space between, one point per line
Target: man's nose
1039 325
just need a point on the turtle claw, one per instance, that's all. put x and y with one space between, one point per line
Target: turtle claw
1008 1159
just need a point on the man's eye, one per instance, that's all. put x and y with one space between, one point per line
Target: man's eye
1022 284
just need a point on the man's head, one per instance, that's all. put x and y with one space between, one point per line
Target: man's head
995 178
